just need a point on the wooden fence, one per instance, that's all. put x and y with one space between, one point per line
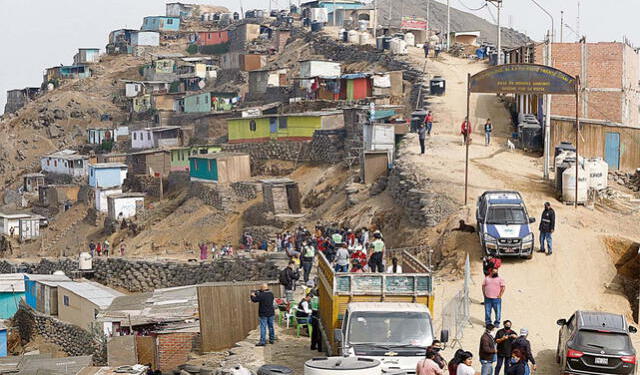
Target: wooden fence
227 314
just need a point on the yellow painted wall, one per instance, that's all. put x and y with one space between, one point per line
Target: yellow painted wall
297 127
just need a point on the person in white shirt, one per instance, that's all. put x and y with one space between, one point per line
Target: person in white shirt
464 368
394 267
304 310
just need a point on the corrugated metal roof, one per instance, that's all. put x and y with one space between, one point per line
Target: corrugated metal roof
54 366
108 165
93 292
11 282
43 277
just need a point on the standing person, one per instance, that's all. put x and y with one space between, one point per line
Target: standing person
203 251
488 351
364 237
429 366
488 128
99 249
422 134
359 256
518 365
547 226
524 346
316 335
306 259
452 366
426 48
504 339
428 120
436 50
493 287
465 130
105 248
92 248
465 365
436 346
122 248
264 298
214 251
376 255
288 277
342 259
394 267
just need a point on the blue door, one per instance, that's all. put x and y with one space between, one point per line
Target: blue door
612 150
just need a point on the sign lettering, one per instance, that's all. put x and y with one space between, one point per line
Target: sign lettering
523 79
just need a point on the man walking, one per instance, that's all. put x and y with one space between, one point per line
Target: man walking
422 133
288 277
488 128
504 339
306 259
493 288
428 120
377 253
524 346
487 350
342 259
547 226
426 48
465 130
264 298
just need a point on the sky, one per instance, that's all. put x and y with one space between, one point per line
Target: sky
36 34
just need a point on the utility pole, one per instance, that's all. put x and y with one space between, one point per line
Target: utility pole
334 13
429 16
389 16
547 115
561 25
578 22
374 22
448 24
498 4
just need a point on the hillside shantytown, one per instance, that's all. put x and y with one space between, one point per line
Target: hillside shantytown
332 187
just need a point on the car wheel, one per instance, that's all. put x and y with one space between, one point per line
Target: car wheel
558 359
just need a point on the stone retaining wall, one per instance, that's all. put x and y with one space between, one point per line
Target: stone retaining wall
141 275
423 206
73 340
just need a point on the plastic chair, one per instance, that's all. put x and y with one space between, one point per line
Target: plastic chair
290 315
298 324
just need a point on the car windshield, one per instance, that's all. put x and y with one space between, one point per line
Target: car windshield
390 328
604 340
506 215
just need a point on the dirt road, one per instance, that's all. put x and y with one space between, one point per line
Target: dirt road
541 290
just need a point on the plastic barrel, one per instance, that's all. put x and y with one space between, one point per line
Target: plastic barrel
274 370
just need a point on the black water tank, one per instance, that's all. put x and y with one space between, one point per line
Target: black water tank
274 370
531 137
437 85
564 146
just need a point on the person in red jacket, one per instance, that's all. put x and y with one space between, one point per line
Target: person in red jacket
465 130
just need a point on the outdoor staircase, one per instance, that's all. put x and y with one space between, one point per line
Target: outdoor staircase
54 234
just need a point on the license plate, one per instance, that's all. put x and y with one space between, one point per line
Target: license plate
508 250
601 361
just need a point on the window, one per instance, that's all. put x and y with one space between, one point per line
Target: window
282 122
135 136
55 163
148 136
48 162
65 300
252 125
170 21
197 100
172 157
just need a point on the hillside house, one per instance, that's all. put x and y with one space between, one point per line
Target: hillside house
95 136
11 292
180 155
210 101
59 73
220 167
145 39
166 102
66 162
287 127
251 61
58 195
123 41
151 163
101 195
180 10
230 61
242 34
20 225
106 175
357 86
141 103
160 23
349 17
161 136
204 67
281 196
80 302
319 68
133 89
124 205
17 99
31 182
47 295
137 88
33 290
330 6
86 56
212 38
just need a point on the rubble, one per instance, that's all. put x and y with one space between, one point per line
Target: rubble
630 180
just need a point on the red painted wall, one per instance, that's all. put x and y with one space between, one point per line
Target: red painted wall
206 38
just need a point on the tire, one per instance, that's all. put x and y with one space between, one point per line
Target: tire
558 359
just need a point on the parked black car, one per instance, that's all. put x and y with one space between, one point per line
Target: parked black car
595 343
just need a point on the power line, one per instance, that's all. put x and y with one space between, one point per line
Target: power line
491 14
472 9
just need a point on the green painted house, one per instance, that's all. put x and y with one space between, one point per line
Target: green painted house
283 127
180 155
210 101
220 167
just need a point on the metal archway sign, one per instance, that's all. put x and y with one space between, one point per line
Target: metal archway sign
524 79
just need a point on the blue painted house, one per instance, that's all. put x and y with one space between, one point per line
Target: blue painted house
3 340
106 175
160 23
221 167
31 287
11 292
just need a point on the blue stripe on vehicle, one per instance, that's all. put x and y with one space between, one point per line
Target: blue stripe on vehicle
492 231
524 230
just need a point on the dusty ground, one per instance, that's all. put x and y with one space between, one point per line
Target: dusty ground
541 290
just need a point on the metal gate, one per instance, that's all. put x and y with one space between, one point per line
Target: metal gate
612 150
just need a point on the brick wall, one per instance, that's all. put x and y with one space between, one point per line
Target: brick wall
173 349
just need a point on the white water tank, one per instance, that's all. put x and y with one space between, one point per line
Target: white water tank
363 25
342 366
598 173
352 37
562 156
364 38
398 46
410 39
569 185
59 273
85 262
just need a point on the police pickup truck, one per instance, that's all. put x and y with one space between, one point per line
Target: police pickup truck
503 224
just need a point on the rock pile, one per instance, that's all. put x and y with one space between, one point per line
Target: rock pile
628 180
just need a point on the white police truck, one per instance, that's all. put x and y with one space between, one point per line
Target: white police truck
503 224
